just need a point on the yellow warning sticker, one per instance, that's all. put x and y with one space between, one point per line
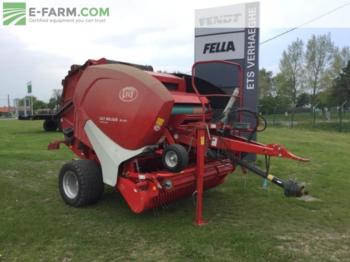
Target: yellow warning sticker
270 177
160 121
202 140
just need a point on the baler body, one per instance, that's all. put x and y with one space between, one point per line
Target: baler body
124 117
123 102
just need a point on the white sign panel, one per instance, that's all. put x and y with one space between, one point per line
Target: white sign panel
232 16
219 47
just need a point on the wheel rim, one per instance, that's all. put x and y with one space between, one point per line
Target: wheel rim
171 159
70 184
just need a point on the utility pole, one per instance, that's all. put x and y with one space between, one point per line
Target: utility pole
31 105
15 104
29 91
25 106
8 105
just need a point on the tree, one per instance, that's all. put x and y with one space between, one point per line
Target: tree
281 84
319 54
265 83
340 91
267 105
55 99
291 67
38 104
322 98
303 100
345 55
282 104
339 60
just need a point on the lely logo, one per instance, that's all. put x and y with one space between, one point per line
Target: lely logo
128 94
14 13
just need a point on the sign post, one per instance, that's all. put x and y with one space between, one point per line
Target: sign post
29 91
230 33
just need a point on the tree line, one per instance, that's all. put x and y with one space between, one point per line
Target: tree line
39 104
315 74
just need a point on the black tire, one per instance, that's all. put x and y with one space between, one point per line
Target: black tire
180 158
50 125
89 182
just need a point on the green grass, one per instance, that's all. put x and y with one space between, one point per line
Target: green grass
246 222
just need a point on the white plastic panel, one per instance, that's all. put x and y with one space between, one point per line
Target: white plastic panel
110 154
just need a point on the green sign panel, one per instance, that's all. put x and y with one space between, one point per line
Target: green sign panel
29 87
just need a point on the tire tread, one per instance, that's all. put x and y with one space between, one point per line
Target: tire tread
90 182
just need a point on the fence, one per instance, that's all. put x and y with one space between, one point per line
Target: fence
332 118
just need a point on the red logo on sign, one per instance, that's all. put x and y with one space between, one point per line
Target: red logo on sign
128 94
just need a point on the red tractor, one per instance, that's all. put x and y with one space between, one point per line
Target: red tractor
155 137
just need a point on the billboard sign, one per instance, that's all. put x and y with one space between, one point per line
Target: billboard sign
230 33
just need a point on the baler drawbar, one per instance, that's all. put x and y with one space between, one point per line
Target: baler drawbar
156 137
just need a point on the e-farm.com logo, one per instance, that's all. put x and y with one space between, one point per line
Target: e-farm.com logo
14 13
17 13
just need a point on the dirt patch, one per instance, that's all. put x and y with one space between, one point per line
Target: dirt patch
308 198
330 246
9 173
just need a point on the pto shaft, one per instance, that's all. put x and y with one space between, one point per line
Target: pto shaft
291 188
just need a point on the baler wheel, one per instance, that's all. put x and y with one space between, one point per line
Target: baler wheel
80 183
175 158
50 125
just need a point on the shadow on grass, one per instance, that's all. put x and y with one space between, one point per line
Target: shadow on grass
113 204
34 132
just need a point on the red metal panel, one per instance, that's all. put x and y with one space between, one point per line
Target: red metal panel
128 105
141 197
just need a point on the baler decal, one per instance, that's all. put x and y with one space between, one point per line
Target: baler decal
159 124
128 94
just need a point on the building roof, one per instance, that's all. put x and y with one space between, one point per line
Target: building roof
5 109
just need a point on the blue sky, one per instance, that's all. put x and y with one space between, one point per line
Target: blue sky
270 53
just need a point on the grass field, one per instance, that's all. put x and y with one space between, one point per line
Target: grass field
246 222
